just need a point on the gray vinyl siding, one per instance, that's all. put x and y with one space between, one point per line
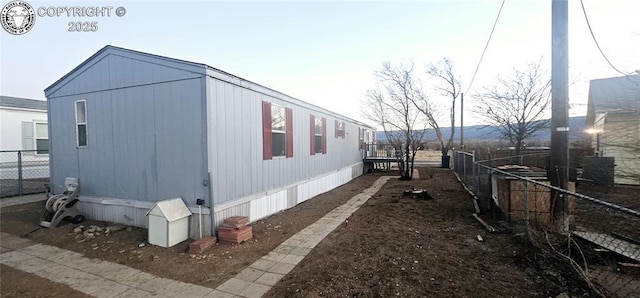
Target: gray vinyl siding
144 131
156 128
120 70
234 111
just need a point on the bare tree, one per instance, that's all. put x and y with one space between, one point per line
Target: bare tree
449 86
517 105
391 106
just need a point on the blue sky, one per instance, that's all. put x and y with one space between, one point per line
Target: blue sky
325 52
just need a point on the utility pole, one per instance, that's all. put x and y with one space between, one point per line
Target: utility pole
558 170
461 121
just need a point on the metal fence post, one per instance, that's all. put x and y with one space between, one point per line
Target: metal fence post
20 173
454 165
454 159
473 165
477 178
464 167
526 209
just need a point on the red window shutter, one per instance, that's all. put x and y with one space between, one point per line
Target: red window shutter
267 141
324 136
313 134
289 131
336 129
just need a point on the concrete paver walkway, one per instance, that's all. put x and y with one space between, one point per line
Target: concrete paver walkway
260 276
105 279
91 276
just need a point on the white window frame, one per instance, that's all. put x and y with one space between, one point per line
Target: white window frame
318 125
283 132
341 131
78 123
35 136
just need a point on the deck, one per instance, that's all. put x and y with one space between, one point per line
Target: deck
379 156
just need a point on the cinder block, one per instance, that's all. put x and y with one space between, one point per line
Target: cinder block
201 245
226 229
236 221
226 234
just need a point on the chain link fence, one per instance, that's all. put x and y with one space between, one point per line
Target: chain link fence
599 238
23 172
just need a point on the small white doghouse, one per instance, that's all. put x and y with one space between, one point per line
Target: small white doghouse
168 222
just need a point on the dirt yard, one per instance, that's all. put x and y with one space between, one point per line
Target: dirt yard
392 246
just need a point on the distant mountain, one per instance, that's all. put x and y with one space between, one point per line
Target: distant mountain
577 127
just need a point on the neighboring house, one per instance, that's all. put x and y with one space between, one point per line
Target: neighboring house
23 126
137 128
614 114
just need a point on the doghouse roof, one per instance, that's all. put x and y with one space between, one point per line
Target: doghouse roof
172 209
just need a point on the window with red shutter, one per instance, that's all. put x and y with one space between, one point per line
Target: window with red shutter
277 131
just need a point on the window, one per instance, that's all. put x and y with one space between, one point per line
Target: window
35 137
318 135
339 129
41 137
360 138
81 123
277 131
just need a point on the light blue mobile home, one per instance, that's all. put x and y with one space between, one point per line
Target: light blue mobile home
137 128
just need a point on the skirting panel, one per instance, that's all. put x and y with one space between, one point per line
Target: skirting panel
357 170
268 205
281 199
133 213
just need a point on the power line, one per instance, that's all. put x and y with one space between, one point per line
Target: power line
584 11
485 47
